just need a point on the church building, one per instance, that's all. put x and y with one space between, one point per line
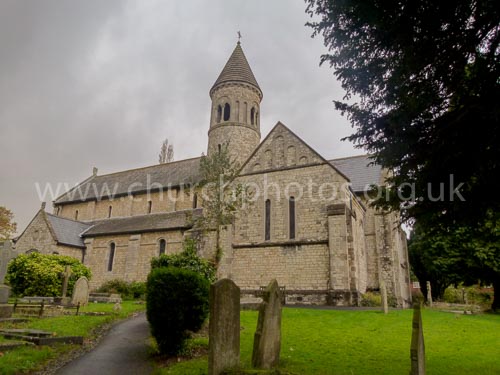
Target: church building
310 226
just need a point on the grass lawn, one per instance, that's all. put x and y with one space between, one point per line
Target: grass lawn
369 342
27 359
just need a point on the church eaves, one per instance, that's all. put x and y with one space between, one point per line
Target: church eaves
237 69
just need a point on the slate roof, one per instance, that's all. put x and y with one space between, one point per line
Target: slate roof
66 231
237 69
359 170
172 174
144 223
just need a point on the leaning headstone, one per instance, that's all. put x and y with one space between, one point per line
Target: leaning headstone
80 292
224 327
417 350
267 338
429 293
7 253
383 294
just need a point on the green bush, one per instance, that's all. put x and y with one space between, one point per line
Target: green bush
176 303
187 259
127 290
371 299
38 274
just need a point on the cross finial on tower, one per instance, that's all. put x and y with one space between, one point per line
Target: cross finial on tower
239 37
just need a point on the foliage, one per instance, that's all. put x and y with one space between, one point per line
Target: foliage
176 302
222 196
166 153
37 274
328 342
427 75
127 290
465 254
187 259
7 226
475 295
424 73
371 299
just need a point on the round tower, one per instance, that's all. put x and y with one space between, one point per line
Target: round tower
235 115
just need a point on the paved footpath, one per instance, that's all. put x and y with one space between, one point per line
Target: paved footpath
123 350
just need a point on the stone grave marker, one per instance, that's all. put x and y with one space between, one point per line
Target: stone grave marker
65 276
81 292
224 327
429 293
417 350
267 338
7 253
383 294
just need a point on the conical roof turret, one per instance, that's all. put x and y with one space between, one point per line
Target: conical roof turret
237 69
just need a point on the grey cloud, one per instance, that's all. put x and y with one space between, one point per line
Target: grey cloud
103 82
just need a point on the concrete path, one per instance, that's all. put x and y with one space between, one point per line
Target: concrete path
122 351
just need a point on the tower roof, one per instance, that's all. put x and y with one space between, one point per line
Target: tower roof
237 69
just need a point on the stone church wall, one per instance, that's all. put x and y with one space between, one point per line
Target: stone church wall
37 237
133 254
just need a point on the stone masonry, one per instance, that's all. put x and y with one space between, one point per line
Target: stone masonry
309 225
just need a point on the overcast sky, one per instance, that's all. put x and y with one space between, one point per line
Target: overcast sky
101 83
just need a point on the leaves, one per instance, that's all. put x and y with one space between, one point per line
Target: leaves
37 274
426 76
7 226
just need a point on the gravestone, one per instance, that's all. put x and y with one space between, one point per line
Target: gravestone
224 327
267 338
81 292
383 294
429 293
65 276
7 253
417 350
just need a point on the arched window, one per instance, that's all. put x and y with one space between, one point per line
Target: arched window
110 209
150 206
219 147
227 111
291 217
76 215
111 258
195 200
252 116
219 113
162 245
267 235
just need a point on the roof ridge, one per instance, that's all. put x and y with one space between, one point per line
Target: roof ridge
65 218
145 215
148 166
351 157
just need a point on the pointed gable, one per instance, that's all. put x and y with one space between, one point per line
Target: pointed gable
282 149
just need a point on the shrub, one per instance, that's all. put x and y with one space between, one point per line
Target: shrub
187 259
176 302
38 274
127 290
371 299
